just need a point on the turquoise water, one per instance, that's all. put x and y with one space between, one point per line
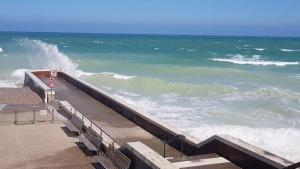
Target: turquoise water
248 87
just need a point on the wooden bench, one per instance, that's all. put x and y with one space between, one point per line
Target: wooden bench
75 124
91 140
114 158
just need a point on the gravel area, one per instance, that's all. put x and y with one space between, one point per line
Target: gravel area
22 96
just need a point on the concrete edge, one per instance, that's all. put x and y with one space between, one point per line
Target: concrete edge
38 86
249 149
148 156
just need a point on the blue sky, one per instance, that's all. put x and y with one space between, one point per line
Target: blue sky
203 17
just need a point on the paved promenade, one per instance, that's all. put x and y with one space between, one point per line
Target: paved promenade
40 146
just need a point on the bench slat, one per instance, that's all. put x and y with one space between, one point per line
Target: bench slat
118 158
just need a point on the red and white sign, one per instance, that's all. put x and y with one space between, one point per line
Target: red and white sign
51 82
53 73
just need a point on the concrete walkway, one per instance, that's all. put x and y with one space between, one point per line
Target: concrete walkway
120 128
41 146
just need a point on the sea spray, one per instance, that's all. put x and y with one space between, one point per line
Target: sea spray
47 56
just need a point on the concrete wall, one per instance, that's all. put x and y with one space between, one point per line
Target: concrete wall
31 80
144 157
232 149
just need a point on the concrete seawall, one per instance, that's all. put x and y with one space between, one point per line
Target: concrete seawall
237 151
31 80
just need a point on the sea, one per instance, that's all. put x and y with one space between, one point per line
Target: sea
247 87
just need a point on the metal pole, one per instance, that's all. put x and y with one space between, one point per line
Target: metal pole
181 137
181 152
164 142
16 117
33 118
52 115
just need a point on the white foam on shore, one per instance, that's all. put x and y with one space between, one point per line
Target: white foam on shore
203 118
283 142
290 50
8 83
255 60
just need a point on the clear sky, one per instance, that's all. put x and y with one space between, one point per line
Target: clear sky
204 17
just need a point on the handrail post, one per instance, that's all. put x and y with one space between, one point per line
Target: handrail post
164 144
52 115
181 137
33 118
16 116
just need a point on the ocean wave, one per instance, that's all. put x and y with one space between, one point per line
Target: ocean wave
8 83
193 117
260 137
259 49
255 60
145 85
1 50
98 42
47 56
115 75
290 50
19 73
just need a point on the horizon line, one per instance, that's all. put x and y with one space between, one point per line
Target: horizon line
151 34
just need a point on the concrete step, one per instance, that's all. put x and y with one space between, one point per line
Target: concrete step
207 161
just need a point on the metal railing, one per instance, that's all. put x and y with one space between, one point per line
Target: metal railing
176 138
26 114
107 139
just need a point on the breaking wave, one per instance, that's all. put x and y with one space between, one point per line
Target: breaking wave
8 83
255 60
115 75
290 50
47 56
192 114
1 50
259 49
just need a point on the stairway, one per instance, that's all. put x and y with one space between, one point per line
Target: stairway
207 161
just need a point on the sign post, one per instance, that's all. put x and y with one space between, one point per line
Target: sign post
51 83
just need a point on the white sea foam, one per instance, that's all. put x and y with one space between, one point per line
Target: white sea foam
8 83
255 60
204 118
1 50
19 73
116 76
98 42
290 50
48 56
289 138
259 49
